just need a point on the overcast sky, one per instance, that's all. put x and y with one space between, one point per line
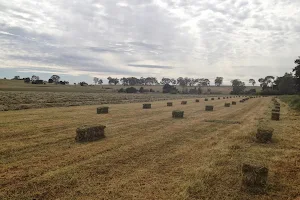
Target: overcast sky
80 39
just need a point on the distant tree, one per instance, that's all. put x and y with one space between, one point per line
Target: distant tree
219 81
131 90
114 81
133 81
141 90
96 80
124 81
35 78
181 82
266 82
296 70
165 81
173 81
142 81
270 80
27 80
168 81
262 83
83 83
187 81
252 81
203 82
238 87
37 81
109 80
151 81
55 78
138 81
286 84
184 82
192 81
16 78
64 82
100 81
155 81
169 89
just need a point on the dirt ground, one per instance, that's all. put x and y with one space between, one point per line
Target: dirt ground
146 154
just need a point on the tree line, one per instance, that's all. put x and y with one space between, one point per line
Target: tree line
289 83
36 80
181 81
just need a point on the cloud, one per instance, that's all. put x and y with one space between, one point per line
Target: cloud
151 66
205 38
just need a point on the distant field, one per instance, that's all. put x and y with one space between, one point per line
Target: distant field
12 85
19 100
146 154
16 95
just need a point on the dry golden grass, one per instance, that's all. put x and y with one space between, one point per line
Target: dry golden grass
146 154
16 100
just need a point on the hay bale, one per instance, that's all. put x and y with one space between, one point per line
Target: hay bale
206 99
169 103
219 98
197 101
227 104
89 133
102 110
233 103
212 98
277 104
177 114
264 134
223 97
275 110
147 106
242 101
209 108
275 116
254 179
183 102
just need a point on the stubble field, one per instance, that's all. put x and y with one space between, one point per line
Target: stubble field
21 100
146 154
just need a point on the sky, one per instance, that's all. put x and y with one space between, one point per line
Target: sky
79 40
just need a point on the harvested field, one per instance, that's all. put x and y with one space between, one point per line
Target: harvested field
223 121
146 154
27 100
